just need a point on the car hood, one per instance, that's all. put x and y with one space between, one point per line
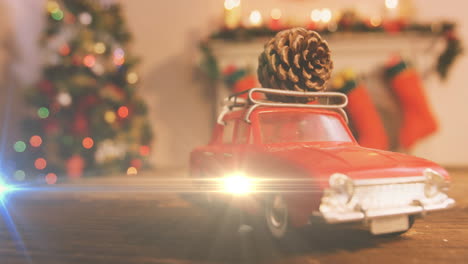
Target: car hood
357 162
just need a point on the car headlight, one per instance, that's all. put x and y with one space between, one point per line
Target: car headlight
435 183
4 188
342 187
238 184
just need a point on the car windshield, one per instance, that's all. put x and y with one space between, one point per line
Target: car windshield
281 127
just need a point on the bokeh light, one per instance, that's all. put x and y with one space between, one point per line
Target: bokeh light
132 78
43 112
315 15
89 61
99 48
231 4
35 141
40 164
132 171
144 150
122 112
19 175
110 117
57 15
19 146
51 178
255 18
88 142
64 50
391 4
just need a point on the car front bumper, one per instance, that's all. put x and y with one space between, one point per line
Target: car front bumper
416 208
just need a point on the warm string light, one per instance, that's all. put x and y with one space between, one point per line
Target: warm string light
51 178
132 78
391 4
40 163
87 143
89 61
19 175
231 4
19 146
255 18
109 116
321 15
122 112
99 48
43 112
144 150
35 141
119 57
132 171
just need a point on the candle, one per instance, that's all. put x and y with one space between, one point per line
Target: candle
232 13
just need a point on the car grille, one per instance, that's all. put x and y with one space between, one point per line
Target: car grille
388 195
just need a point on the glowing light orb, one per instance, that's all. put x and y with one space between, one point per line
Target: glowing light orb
132 78
122 112
132 171
110 117
35 141
64 99
144 150
43 112
316 15
57 15
51 178
40 163
89 61
85 18
19 175
231 4
99 48
326 15
255 18
391 4
88 142
238 184
19 146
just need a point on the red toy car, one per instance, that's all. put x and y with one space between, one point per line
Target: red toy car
298 163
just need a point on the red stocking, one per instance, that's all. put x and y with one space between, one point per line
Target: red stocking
418 120
363 116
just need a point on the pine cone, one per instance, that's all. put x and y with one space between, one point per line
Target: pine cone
295 59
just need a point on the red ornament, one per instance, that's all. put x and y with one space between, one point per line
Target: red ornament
75 166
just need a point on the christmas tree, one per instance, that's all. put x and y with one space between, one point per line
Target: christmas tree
84 114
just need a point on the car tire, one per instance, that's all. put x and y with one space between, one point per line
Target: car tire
276 217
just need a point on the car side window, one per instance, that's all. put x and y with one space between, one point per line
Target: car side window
242 133
228 132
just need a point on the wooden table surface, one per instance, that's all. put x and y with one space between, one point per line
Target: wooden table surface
145 227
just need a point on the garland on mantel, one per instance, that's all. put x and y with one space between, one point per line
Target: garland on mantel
443 29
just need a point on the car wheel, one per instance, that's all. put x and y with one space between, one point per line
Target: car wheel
277 217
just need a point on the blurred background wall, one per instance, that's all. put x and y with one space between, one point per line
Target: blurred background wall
166 35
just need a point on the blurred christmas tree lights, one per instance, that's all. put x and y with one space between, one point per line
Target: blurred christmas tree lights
87 116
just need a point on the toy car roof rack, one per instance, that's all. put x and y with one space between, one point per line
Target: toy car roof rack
235 101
